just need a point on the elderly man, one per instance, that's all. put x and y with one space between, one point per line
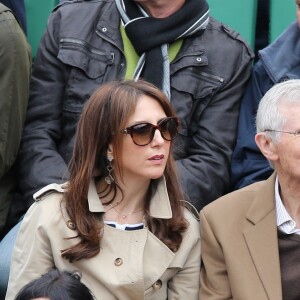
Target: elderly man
251 237
278 62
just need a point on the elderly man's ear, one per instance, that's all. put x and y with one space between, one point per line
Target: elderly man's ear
267 147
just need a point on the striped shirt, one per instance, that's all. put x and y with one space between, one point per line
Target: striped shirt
125 226
284 221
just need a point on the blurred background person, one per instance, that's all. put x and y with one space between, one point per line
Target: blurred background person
278 62
19 10
15 68
55 285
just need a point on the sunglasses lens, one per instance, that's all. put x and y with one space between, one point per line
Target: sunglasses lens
168 129
141 134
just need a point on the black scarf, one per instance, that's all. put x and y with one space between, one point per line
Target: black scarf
150 36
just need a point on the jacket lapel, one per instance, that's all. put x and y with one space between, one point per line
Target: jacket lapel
160 206
262 241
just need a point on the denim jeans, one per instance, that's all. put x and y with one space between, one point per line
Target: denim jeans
6 249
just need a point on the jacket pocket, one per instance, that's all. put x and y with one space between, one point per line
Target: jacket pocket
192 89
80 54
86 68
196 82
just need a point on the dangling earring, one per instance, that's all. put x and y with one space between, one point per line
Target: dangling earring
109 178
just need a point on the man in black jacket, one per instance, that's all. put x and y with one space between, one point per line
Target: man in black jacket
88 43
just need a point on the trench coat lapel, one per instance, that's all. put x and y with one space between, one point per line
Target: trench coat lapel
262 241
160 206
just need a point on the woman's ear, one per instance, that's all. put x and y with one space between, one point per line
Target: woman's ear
110 153
267 147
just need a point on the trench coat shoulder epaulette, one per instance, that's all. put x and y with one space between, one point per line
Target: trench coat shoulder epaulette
50 188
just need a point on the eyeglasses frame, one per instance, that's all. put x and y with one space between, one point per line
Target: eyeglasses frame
294 133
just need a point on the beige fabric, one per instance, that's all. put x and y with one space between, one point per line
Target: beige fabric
240 246
131 265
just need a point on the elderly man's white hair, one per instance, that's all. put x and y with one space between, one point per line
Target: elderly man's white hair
268 115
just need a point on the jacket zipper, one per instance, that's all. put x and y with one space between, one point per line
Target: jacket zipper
87 47
211 76
208 75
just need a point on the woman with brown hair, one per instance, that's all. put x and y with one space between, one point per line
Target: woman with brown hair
120 220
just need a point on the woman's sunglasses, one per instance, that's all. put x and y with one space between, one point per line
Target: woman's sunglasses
142 134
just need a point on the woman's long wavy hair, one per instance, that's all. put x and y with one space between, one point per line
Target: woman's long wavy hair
104 115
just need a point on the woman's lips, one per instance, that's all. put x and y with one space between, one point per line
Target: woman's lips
157 158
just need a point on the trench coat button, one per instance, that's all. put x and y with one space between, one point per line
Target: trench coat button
118 261
104 29
157 285
71 225
64 186
198 59
77 275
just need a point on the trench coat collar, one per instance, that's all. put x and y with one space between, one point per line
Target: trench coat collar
160 206
262 240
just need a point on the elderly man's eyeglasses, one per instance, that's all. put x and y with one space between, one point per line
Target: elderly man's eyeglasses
294 133
142 134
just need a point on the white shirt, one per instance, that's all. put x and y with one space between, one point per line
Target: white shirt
284 221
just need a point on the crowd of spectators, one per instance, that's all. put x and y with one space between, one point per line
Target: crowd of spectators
176 47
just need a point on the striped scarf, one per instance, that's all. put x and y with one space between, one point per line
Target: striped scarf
150 36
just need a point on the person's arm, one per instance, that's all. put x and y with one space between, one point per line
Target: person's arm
15 68
248 164
185 284
205 172
214 283
42 163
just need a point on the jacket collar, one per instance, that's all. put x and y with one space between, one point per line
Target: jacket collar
259 210
261 238
281 58
160 206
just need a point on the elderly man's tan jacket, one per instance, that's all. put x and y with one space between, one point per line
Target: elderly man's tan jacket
131 264
240 246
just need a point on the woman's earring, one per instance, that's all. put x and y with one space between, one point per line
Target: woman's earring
109 178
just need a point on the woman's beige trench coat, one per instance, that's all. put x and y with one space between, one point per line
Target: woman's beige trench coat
131 264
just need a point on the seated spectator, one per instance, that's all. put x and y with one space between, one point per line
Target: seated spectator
18 8
87 44
120 220
55 285
15 68
278 62
250 238
15 61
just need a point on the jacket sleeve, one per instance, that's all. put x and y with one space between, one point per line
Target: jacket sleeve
32 255
14 88
214 283
248 163
205 172
41 162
